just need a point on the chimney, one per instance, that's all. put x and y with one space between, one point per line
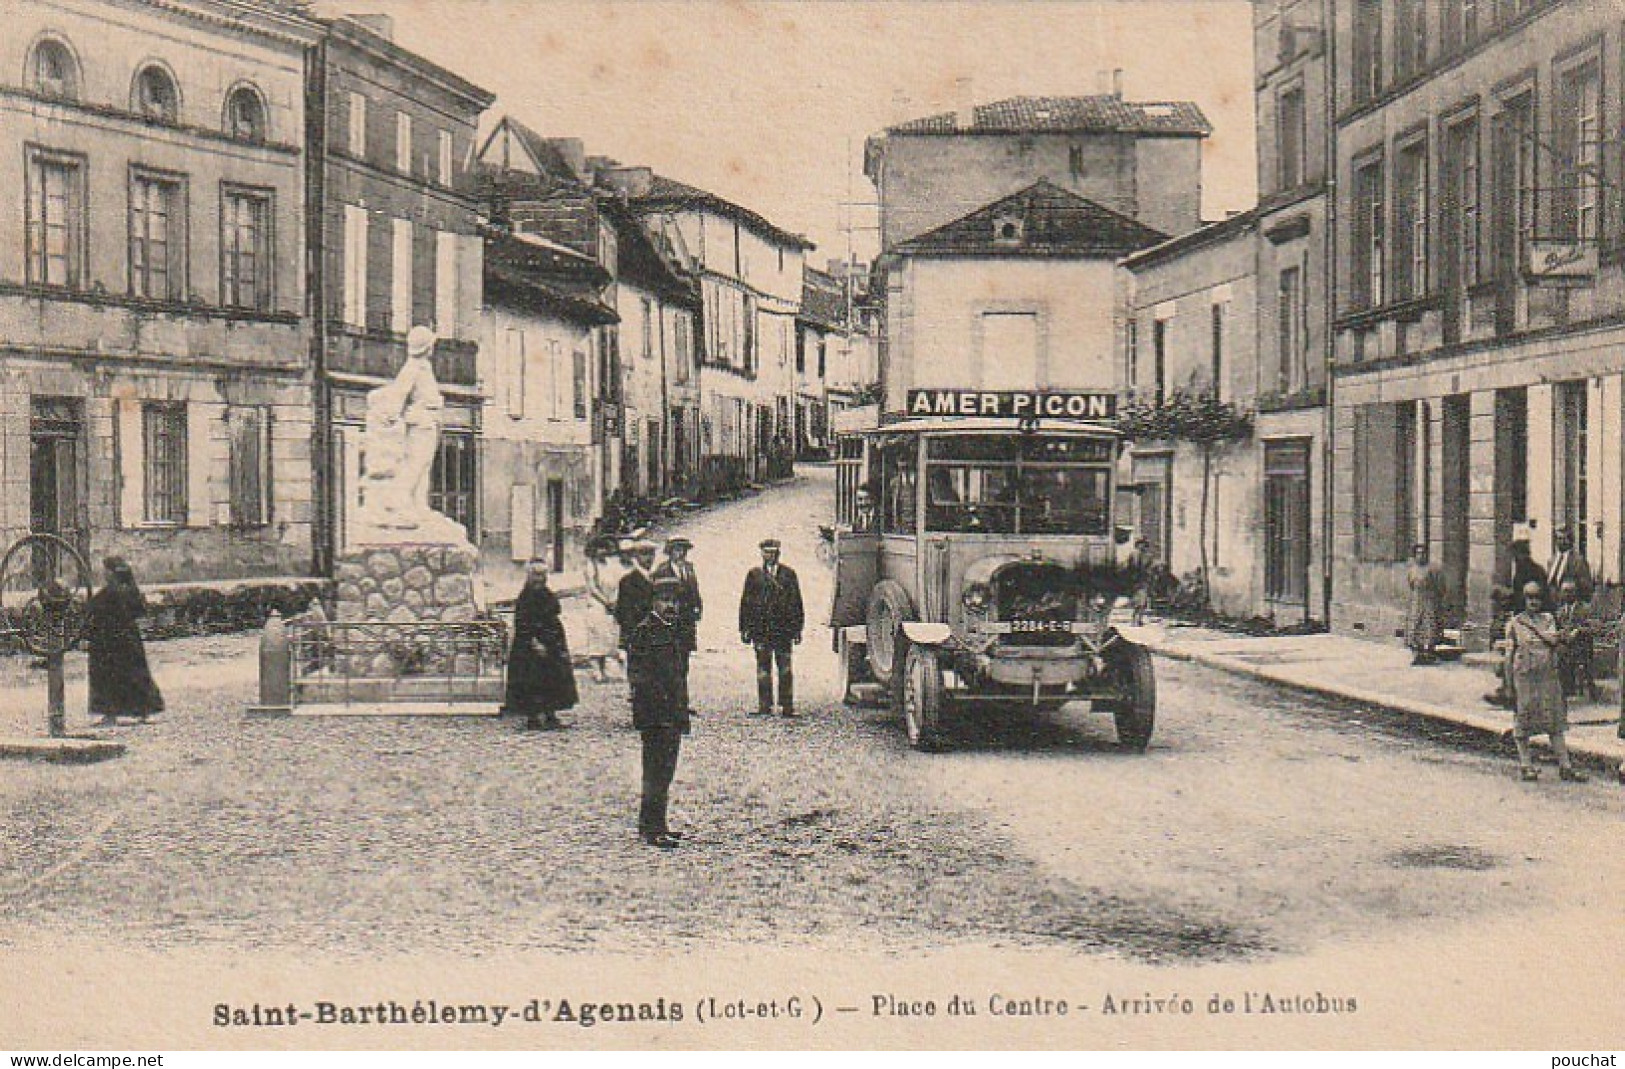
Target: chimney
1117 83
574 154
382 25
632 182
964 103
1103 82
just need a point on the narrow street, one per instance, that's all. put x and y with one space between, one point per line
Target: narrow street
366 836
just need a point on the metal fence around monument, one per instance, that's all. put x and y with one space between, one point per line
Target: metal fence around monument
379 663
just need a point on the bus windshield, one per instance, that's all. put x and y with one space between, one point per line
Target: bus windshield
1006 484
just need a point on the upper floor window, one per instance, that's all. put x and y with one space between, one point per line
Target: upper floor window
157 236
358 126
1369 235
443 158
246 251
1289 138
1410 38
55 232
245 114
1579 151
1411 221
156 97
403 143
52 70
1367 49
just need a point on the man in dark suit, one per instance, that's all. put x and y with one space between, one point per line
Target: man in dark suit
676 566
771 619
635 594
1568 566
654 674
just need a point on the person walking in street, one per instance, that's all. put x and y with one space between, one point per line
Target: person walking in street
654 644
121 682
1508 601
771 618
1423 616
541 676
635 592
677 566
599 633
1533 645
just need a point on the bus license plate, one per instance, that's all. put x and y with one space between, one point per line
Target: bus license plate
1041 627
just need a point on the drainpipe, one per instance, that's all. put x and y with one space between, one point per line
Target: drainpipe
1329 291
321 444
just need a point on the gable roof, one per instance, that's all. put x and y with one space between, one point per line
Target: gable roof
666 192
823 300
1081 114
1049 221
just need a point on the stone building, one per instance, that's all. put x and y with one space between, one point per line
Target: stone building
1191 327
821 331
1481 286
1021 294
750 277
1139 159
542 306
1289 54
393 214
155 400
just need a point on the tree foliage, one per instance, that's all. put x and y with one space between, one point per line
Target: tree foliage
1187 415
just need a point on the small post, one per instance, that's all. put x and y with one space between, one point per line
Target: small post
276 667
56 702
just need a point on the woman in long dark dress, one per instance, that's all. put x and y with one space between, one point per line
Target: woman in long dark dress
121 682
541 677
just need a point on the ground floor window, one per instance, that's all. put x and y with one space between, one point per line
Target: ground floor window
453 484
1384 467
163 440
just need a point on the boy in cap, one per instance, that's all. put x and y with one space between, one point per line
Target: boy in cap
676 566
771 619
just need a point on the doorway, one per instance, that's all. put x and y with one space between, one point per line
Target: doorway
1455 445
555 521
56 504
1286 525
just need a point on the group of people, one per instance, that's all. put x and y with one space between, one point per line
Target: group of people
1547 646
655 612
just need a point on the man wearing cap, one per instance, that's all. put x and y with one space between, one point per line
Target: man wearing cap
676 566
654 674
635 595
771 619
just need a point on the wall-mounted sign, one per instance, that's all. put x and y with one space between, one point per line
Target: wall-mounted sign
1553 260
1006 404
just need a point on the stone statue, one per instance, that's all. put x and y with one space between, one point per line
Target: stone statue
403 433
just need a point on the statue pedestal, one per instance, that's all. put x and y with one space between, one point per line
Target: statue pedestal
407 583
402 585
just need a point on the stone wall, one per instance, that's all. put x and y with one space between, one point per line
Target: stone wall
405 584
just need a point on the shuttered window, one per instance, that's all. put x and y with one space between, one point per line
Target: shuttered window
163 428
250 427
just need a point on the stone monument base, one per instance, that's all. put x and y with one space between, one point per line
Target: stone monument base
408 583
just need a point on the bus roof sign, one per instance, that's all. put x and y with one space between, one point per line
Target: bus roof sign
1017 404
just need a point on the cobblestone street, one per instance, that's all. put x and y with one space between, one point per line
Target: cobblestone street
364 835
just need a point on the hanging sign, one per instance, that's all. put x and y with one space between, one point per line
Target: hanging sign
1018 404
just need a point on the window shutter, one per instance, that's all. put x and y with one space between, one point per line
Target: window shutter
522 522
200 421
445 284
355 265
400 268
131 462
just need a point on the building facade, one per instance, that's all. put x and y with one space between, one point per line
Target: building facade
821 333
1021 294
1139 159
155 399
1290 52
540 477
1191 328
750 280
393 214
1478 376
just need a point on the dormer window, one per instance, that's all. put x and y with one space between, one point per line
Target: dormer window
156 98
54 72
1009 230
245 115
